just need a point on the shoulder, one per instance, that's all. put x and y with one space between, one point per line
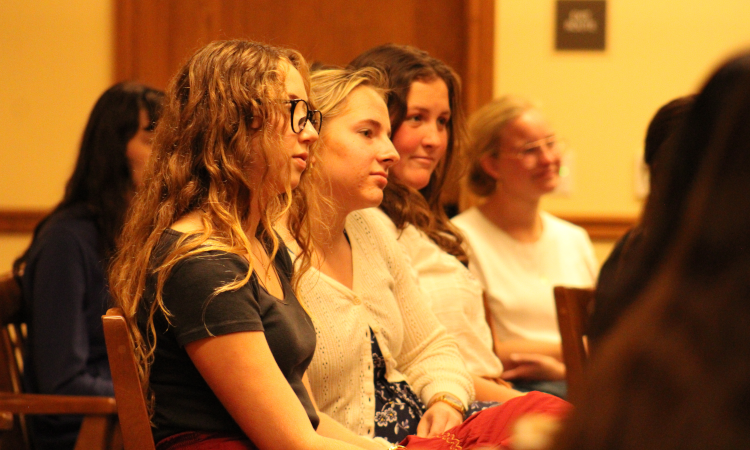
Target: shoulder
379 214
200 276
469 219
374 237
198 272
370 222
410 236
201 267
570 238
476 229
67 234
69 222
562 227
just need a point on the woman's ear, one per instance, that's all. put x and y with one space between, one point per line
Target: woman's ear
490 164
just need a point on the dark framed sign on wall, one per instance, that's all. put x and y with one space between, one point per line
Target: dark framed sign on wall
581 25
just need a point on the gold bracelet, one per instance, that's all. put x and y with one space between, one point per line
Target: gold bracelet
395 447
450 400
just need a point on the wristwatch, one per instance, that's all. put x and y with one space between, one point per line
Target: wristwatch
451 400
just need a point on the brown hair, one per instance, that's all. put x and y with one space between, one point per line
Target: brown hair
404 65
217 150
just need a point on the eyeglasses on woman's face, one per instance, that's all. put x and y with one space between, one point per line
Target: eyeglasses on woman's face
300 112
530 152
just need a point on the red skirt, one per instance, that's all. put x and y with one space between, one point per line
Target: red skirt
493 427
195 440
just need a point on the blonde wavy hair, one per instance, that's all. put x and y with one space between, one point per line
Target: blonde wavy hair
486 128
331 88
217 150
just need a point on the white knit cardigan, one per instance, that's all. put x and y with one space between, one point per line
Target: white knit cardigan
387 300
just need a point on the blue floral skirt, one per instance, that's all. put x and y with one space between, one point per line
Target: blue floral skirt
398 409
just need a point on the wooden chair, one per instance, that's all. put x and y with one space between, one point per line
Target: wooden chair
574 306
131 403
98 430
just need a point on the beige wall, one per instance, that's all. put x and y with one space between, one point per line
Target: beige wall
56 59
601 102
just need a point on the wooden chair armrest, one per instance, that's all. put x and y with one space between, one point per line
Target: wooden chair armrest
56 404
6 421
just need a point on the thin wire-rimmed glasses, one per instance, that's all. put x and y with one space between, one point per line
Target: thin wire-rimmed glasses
530 152
300 112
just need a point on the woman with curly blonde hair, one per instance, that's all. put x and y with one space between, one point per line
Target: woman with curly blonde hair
204 281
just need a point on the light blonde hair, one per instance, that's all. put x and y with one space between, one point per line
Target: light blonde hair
486 128
331 88
217 150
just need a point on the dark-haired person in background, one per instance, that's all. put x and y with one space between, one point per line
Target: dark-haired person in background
664 125
673 373
62 272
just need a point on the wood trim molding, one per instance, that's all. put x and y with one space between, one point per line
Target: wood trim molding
603 228
20 221
598 227
480 42
124 13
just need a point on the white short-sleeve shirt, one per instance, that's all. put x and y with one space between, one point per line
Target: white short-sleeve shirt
519 277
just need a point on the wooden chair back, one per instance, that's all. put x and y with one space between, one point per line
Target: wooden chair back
12 339
98 430
574 306
131 403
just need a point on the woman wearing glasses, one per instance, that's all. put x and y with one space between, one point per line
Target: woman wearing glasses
517 251
206 284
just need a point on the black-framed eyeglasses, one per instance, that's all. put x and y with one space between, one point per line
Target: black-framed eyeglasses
300 112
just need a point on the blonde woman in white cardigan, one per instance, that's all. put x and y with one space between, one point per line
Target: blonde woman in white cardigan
384 366
363 290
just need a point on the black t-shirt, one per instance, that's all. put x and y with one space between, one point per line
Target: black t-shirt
184 402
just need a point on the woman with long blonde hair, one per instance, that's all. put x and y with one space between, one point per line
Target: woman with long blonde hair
205 283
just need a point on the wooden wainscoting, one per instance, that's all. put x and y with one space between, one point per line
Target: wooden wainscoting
13 221
598 227
602 228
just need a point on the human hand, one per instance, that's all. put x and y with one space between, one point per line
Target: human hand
440 417
534 366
